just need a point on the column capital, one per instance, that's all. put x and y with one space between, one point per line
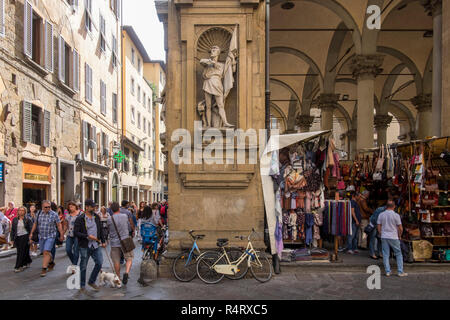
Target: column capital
328 101
304 122
432 7
423 102
367 66
382 121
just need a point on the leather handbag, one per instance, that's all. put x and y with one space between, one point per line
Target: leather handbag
369 228
2 240
126 244
443 199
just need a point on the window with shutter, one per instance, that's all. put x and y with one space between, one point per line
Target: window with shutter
2 17
102 34
26 121
118 8
49 46
115 58
103 97
93 138
88 81
62 59
74 5
46 132
88 15
28 29
76 70
114 107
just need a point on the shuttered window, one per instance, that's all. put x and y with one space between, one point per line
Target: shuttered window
74 5
102 33
49 55
88 81
85 134
114 107
88 15
103 97
115 58
76 70
62 59
26 121
2 17
28 29
46 130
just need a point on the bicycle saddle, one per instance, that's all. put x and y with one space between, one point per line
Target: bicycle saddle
199 236
222 242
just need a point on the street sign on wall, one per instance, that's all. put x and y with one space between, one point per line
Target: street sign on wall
1 171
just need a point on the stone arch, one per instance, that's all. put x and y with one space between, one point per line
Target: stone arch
346 115
310 89
342 13
332 59
299 54
407 61
289 88
279 111
395 106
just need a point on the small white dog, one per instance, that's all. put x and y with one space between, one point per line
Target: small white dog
72 269
111 278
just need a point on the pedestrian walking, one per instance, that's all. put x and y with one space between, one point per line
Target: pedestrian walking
366 212
352 240
119 227
32 214
11 212
390 228
163 211
104 215
20 230
5 228
72 248
47 225
88 230
375 250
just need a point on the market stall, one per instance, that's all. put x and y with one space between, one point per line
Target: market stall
416 174
300 173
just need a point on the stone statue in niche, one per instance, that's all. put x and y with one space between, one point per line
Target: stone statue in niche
218 80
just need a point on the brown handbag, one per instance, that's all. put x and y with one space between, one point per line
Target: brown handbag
126 244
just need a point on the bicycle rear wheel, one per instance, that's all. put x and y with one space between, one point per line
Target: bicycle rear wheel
261 268
235 254
205 271
182 270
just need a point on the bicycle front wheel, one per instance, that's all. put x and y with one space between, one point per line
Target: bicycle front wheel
205 270
261 268
183 270
234 255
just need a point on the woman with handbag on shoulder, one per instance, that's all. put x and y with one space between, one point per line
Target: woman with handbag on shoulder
20 230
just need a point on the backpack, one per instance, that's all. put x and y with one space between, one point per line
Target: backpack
148 232
163 210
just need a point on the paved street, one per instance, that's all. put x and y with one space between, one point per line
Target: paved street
292 285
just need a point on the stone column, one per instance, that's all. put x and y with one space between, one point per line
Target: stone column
351 138
423 104
327 103
304 122
382 122
365 68
434 8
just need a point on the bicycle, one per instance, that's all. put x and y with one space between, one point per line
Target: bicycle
153 249
184 265
213 266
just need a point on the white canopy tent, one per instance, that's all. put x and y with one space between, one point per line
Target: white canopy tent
278 142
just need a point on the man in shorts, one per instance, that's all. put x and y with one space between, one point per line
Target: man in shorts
48 224
120 226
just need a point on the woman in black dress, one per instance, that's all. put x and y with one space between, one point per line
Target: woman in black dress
20 230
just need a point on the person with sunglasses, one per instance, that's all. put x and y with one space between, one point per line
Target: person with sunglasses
47 224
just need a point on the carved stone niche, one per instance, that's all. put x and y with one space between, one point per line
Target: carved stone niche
206 38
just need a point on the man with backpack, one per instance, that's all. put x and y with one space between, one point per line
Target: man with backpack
47 224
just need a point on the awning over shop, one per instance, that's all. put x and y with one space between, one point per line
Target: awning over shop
277 142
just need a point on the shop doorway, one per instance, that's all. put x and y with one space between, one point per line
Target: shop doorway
66 172
34 193
115 188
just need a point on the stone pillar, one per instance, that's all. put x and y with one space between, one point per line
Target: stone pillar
327 104
434 8
365 68
304 122
423 104
382 122
351 138
445 68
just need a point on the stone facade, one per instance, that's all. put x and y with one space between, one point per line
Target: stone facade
217 200
43 101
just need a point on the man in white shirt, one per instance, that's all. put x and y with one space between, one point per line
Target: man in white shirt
390 228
